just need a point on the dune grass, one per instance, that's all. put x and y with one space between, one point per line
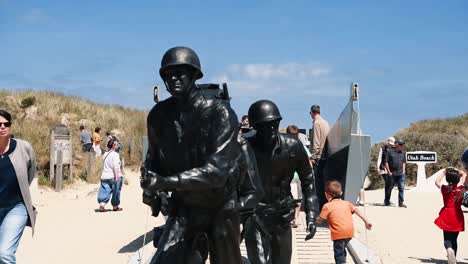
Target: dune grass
35 113
448 137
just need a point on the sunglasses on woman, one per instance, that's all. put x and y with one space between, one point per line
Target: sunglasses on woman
6 124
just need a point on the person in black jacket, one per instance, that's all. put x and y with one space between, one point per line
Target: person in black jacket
383 171
193 153
278 157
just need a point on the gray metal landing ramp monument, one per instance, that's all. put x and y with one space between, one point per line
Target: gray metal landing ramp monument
349 149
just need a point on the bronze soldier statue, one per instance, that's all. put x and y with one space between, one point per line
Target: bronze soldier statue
268 234
194 155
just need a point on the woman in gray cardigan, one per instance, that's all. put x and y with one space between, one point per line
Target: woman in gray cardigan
17 170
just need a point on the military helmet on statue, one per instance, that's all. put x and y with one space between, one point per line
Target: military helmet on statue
263 111
181 56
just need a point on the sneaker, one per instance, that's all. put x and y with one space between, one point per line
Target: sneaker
451 256
403 206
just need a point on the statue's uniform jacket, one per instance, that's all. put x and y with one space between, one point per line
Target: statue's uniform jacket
194 147
250 185
276 169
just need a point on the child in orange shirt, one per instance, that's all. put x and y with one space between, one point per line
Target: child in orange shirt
339 213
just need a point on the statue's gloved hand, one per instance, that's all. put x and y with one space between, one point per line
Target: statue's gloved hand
148 197
167 204
311 229
148 178
153 200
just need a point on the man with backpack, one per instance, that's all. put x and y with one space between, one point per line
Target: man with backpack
381 167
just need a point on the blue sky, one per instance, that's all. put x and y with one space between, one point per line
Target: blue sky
409 57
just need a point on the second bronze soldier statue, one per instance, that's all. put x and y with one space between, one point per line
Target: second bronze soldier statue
278 157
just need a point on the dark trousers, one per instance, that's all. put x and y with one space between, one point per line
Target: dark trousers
452 238
320 182
398 180
339 249
187 240
87 147
261 250
387 183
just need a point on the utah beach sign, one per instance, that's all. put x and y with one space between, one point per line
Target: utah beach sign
421 158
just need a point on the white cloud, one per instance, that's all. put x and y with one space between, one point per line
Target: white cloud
253 80
34 15
279 71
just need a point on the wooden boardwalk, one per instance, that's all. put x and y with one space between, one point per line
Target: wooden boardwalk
318 250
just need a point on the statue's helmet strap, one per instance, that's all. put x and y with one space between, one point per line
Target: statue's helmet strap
181 56
263 111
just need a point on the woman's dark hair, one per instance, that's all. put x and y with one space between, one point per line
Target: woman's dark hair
292 129
452 176
5 115
97 129
110 143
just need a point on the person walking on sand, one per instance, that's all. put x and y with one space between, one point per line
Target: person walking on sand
395 165
318 143
339 213
17 171
383 171
451 219
111 178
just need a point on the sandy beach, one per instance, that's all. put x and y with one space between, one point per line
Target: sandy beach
408 235
70 231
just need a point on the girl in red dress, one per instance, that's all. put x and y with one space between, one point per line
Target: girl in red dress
451 219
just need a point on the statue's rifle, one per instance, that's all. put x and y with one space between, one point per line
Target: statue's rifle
262 210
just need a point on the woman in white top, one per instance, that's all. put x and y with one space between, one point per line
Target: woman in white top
111 178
